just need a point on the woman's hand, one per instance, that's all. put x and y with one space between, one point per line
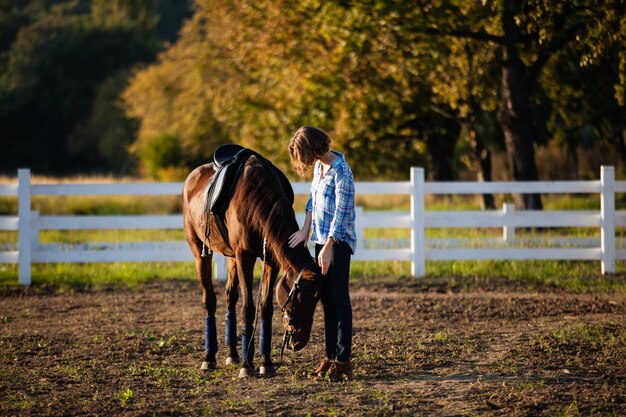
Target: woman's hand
297 238
325 255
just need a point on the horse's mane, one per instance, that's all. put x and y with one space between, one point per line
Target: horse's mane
270 214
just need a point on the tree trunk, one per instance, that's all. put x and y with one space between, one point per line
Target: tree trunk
441 147
621 146
514 114
483 155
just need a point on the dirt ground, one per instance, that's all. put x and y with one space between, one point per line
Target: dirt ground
417 351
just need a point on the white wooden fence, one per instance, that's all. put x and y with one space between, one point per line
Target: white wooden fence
29 223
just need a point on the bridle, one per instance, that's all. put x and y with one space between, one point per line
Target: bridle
287 309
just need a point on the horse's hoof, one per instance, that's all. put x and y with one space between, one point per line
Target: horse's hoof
232 360
267 370
208 366
246 372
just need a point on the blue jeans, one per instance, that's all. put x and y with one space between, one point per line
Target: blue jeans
336 303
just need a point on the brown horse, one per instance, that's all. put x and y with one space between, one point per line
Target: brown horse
259 209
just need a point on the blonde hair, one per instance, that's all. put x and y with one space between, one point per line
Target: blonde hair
306 145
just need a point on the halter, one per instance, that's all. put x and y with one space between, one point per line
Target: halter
288 317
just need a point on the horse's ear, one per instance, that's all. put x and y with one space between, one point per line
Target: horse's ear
314 276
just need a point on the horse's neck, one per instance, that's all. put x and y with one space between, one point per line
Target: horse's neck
289 258
277 223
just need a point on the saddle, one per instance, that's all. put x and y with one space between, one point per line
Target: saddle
228 162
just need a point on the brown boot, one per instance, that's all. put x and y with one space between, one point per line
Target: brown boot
339 371
322 369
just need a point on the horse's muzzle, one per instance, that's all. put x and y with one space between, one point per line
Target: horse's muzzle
293 335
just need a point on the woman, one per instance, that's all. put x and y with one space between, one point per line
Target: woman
330 212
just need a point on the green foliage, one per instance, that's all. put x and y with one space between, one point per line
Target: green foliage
103 139
396 83
581 83
258 74
161 153
64 64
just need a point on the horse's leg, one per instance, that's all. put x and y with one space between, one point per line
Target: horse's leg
204 270
267 311
232 295
245 266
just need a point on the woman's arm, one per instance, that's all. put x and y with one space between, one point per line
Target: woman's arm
344 206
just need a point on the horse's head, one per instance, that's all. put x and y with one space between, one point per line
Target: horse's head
297 294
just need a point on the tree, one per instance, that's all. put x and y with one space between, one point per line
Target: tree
396 82
62 65
262 70
585 112
103 138
527 35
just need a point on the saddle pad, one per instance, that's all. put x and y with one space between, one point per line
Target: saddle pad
222 185
229 161
216 187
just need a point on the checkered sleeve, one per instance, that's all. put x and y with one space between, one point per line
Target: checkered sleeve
344 205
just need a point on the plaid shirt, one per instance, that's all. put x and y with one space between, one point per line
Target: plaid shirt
331 203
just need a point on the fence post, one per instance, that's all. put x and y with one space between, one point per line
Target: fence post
360 227
607 213
34 236
24 226
508 232
220 270
418 258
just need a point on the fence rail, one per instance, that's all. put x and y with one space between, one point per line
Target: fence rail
28 224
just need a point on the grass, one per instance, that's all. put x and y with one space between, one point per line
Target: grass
588 347
126 396
64 277
589 336
577 276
